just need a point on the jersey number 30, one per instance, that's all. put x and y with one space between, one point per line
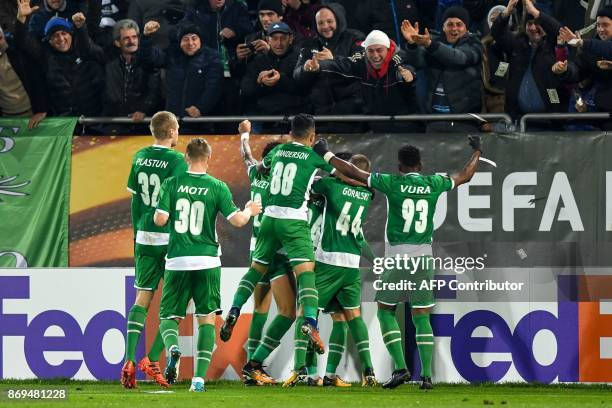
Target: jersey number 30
408 209
190 217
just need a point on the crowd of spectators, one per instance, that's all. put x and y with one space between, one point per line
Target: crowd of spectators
199 58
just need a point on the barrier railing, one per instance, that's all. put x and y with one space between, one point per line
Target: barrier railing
470 117
557 117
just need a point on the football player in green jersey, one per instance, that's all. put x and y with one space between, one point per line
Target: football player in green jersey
279 276
150 167
293 167
411 203
189 203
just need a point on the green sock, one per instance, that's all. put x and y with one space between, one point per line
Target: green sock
168 328
255 332
272 338
359 331
424 341
246 286
135 325
311 362
301 345
392 336
206 342
307 294
156 348
337 340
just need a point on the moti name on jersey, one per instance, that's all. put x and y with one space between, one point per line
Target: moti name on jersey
292 155
152 163
193 190
416 190
360 195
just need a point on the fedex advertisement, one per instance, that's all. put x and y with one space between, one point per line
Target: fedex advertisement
72 322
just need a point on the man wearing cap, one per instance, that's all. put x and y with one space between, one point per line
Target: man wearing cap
452 62
588 65
268 86
386 80
332 94
22 85
53 8
73 68
194 73
532 87
268 13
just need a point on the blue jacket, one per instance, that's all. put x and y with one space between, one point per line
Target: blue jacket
190 81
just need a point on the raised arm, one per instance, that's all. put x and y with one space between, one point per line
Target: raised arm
467 172
244 128
322 149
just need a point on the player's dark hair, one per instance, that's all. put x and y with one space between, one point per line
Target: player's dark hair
361 162
346 156
161 123
269 148
409 156
301 124
198 149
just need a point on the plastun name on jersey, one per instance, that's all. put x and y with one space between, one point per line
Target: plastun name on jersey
416 190
193 190
151 163
360 195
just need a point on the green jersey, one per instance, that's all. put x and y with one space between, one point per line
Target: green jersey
150 167
292 170
259 192
346 208
411 203
192 201
315 219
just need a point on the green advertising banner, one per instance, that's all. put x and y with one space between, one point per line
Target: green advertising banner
34 192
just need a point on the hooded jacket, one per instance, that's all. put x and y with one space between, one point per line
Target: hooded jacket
332 94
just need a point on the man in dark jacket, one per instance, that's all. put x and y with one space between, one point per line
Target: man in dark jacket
332 94
167 13
532 87
73 68
22 85
588 65
194 73
452 63
131 89
268 86
268 13
223 24
386 80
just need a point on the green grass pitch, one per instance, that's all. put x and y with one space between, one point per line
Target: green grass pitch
234 394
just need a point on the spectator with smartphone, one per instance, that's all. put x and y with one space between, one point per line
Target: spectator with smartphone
268 86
